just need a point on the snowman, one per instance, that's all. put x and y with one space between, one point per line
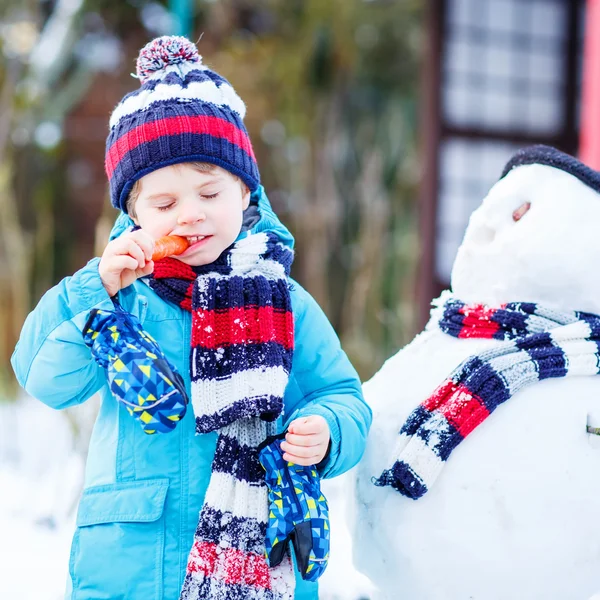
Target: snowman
481 477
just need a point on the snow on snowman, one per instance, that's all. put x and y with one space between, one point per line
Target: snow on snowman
481 478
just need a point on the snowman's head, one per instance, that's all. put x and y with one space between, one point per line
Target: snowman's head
535 237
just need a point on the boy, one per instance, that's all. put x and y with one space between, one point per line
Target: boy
180 162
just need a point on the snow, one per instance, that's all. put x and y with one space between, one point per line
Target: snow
31 541
341 581
41 474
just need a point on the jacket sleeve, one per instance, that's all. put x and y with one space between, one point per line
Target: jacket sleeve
323 382
51 360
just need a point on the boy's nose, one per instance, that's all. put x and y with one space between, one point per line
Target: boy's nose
186 217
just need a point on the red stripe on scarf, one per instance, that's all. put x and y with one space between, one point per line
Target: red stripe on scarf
172 267
439 396
477 322
242 325
229 564
464 410
148 132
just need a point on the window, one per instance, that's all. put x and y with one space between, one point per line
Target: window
510 76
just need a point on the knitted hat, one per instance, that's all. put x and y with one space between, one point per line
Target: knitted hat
182 112
551 157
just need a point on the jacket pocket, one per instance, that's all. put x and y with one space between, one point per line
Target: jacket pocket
118 547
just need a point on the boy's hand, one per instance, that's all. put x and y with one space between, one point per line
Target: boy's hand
306 441
125 259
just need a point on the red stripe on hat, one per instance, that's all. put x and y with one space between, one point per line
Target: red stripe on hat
213 329
200 124
477 322
464 410
229 565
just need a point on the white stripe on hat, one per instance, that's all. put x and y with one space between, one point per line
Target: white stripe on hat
204 91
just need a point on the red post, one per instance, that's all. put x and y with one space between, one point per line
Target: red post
589 148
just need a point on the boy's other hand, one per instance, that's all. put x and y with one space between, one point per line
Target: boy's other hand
306 441
125 259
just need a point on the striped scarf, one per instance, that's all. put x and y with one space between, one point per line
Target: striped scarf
538 344
241 352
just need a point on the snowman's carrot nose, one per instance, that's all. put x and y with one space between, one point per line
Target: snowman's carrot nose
519 212
169 245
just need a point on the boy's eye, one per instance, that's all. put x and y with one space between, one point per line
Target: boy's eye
210 196
165 206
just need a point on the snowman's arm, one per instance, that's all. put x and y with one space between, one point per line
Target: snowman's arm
51 360
323 382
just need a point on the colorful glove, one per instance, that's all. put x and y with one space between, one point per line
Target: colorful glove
138 372
297 511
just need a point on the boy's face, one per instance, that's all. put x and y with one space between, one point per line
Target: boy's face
205 207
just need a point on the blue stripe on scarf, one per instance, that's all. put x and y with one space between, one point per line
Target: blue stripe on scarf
403 479
269 408
243 533
452 319
510 323
233 358
444 440
550 359
415 420
253 292
238 460
487 384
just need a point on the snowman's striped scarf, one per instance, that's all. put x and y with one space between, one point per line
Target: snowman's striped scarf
538 344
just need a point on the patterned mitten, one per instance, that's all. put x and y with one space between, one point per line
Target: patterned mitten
298 512
139 374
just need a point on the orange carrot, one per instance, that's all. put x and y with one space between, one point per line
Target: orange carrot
169 245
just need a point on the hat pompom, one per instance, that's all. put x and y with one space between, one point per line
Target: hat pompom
161 52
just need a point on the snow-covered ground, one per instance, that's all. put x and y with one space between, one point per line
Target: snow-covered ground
341 581
41 473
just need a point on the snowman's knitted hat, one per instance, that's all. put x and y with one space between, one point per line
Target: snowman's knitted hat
182 112
551 157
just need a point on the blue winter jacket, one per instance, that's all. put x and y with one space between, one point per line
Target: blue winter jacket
142 496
